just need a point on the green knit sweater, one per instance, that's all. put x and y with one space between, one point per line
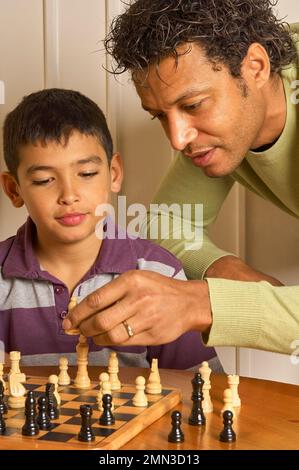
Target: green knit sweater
246 314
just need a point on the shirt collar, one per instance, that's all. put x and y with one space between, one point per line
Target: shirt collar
116 255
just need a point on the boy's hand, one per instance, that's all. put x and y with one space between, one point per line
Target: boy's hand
142 308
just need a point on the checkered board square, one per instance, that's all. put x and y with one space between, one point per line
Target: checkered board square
129 420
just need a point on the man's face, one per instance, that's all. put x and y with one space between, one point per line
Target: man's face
61 186
211 117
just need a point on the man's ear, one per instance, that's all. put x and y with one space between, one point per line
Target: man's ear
116 173
11 188
256 65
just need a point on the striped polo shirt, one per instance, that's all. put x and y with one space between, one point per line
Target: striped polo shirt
33 303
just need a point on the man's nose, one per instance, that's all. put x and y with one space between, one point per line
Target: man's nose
181 133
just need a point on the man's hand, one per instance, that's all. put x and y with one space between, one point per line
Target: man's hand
158 310
231 267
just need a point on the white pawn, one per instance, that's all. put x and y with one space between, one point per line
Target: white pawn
228 401
233 382
103 377
113 370
205 372
140 398
106 389
153 385
53 379
63 378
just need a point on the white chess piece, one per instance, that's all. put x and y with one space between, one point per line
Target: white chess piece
153 385
82 380
72 303
16 390
53 379
205 372
113 370
105 389
63 378
140 398
233 382
1 377
228 401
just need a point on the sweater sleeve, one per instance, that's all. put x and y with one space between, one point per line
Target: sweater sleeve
254 315
184 187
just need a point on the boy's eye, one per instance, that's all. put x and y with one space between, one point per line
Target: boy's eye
42 182
89 174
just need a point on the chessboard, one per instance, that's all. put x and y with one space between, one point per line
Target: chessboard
129 420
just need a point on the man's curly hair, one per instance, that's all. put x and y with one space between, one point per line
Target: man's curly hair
150 30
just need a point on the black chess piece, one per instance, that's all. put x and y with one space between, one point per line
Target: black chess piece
107 418
30 427
197 417
176 434
227 434
52 410
3 405
86 433
2 424
43 419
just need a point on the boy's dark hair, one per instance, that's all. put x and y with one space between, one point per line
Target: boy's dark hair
151 30
51 115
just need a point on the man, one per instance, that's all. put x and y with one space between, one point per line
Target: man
220 78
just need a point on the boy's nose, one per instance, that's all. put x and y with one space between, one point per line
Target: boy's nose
68 196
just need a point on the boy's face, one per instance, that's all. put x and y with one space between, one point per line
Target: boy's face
61 186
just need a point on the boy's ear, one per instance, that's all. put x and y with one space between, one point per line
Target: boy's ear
11 188
116 173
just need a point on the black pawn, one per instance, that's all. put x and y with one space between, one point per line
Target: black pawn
197 417
107 418
227 434
86 433
52 410
3 406
176 434
30 427
2 424
43 419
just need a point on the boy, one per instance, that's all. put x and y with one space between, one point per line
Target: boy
61 164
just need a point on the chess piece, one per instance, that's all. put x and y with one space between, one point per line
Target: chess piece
52 410
43 419
2 424
82 380
227 434
63 378
176 434
153 386
3 406
113 370
205 371
72 304
86 433
233 382
30 427
228 401
107 418
103 377
140 398
1 377
197 417
53 379
16 390
105 390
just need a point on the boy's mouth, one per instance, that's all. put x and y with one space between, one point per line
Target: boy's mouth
71 220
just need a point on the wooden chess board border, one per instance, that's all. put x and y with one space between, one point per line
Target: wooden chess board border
123 431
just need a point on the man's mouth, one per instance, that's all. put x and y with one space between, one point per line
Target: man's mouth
202 158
